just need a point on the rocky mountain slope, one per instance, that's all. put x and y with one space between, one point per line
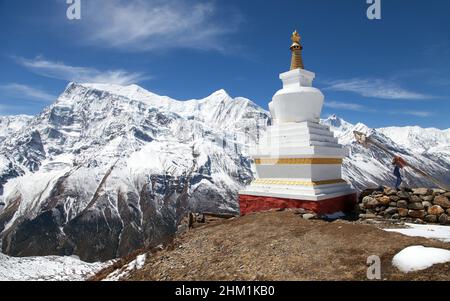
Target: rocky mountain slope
108 169
279 246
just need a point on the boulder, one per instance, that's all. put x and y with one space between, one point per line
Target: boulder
367 216
403 212
417 213
435 210
442 201
370 202
427 198
438 191
448 211
421 191
309 216
390 191
394 198
416 206
393 204
384 200
396 216
299 211
431 219
415 199
426 204
402 204
443 219
391 210
403 195
365 193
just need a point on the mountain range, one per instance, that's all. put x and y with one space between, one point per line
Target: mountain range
108 169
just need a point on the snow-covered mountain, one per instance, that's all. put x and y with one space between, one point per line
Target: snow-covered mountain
426 149
11 124
108 169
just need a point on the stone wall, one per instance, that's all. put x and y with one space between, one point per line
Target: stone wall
419 205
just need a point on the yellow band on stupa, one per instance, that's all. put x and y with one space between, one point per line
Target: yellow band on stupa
296 183
297 161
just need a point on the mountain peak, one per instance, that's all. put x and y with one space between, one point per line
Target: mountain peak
221 93
336 121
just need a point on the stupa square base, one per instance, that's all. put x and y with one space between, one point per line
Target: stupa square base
252 203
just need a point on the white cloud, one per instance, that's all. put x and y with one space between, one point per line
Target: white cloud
14 90
376 88
415 113
418 113
345 106
59 70
139 25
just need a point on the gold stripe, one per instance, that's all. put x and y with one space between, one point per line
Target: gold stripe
300 161
296 183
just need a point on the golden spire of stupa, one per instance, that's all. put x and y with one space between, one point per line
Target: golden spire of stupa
296 48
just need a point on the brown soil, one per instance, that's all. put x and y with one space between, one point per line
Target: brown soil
283 246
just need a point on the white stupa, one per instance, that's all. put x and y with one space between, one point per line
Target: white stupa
298 161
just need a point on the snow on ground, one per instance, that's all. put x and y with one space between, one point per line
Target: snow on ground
417 258
49 268
136 264
441 233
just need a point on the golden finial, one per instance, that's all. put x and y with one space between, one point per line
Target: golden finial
295 37
296 48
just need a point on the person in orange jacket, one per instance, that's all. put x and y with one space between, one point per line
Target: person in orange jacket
399 164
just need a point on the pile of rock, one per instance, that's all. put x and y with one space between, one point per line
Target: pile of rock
303 213
419 205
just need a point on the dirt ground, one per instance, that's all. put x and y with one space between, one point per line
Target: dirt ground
283 246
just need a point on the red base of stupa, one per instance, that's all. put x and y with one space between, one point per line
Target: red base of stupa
250 204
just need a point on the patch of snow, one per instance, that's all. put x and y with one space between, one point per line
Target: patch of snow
48 268
134 265
417 258
441 233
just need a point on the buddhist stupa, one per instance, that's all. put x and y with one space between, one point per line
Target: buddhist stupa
298 161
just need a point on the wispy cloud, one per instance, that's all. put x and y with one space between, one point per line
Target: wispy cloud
60 70
345 106
16 91
376 88
361 108
423 114
139 25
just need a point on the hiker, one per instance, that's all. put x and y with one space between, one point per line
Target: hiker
399 164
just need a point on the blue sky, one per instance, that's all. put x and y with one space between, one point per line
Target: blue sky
393 71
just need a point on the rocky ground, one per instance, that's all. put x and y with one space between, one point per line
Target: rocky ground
419 205
284 245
